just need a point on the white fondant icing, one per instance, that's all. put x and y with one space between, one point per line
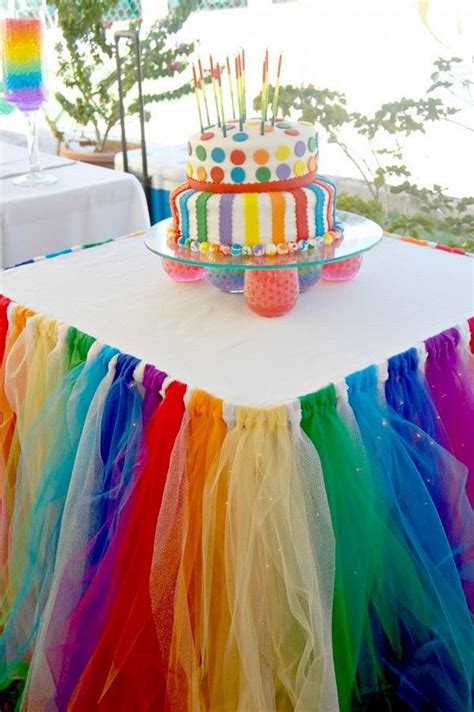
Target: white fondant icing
271 142
290 217
191 207
213 218
238 223
311 207
265 214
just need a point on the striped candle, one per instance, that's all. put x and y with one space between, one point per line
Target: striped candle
23 74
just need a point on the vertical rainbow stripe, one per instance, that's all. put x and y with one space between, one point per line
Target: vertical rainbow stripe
22 63
250 219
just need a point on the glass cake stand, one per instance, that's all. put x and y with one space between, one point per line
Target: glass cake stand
270 284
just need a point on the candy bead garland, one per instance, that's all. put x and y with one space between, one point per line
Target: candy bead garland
258 250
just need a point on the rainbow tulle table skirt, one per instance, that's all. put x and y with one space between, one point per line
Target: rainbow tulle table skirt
163 550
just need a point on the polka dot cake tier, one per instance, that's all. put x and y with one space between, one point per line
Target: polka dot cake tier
244 160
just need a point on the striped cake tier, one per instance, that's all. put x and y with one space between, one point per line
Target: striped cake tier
245 160
247 220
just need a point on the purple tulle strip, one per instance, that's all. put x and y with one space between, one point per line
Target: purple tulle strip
450 376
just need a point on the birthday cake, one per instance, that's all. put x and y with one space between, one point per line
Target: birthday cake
254 194
252 186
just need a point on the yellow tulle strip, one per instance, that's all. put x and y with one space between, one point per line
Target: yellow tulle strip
266 601
17 317
26 379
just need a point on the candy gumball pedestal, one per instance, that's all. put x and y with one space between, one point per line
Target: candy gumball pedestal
307 277
227 280
271 292
270 282
343 270
180 272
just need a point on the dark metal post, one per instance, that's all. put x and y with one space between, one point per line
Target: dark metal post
134 36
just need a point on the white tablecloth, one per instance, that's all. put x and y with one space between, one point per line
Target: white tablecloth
87 204
120 294
14 160
10 152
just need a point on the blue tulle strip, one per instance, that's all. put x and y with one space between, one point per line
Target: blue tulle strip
420 620
72 398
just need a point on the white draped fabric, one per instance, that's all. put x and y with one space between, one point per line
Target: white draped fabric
120 294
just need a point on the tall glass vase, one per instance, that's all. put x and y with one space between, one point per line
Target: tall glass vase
24 84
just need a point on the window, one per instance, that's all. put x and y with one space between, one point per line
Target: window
211 4
125 10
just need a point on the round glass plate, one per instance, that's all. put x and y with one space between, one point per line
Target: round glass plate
360 235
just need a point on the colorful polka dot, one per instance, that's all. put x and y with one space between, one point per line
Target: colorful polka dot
237 175
311 163
268 129
190 149
207 135
300 148
237 157
261 156
217 174
252 122
292 132
201 153
201 173
283 171
312 143
299 168
189 170
240 136
283 152
305 123
284 125
217 155
263 174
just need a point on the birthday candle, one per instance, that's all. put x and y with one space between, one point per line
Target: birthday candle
204 92
221 99
266 84
196 93
277 91
231 87
244 88
262 101
22 63
239 92
214 91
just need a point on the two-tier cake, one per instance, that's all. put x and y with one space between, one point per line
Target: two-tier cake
254 191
